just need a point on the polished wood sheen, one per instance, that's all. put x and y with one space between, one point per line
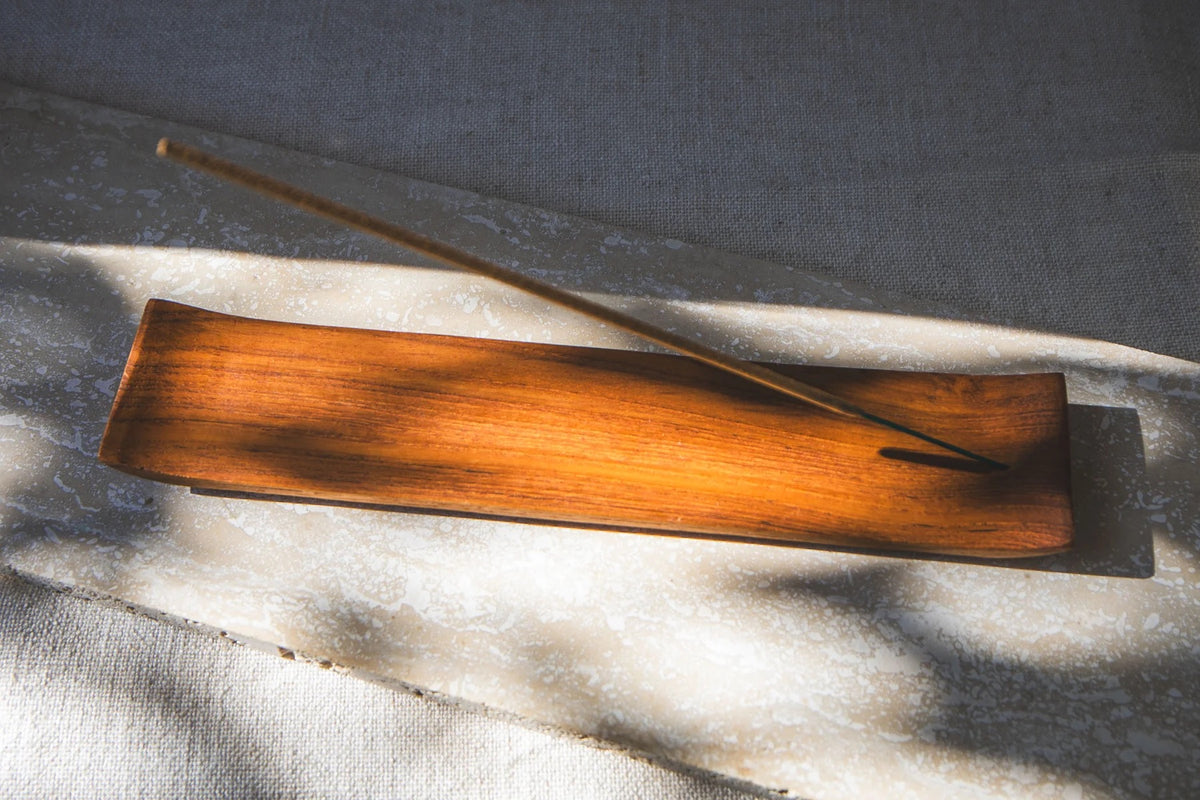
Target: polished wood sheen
590 437
448 254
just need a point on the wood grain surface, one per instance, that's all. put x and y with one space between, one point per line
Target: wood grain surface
589 436
462 259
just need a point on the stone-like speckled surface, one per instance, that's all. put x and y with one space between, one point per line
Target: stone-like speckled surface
829 674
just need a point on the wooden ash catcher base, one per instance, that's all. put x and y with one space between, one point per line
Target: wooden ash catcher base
703 445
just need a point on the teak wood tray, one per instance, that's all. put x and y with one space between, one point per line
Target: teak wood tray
588 436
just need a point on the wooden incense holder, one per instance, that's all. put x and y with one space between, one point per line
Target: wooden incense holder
588 436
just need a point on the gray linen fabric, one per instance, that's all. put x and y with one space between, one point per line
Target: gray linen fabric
95 702
1028 163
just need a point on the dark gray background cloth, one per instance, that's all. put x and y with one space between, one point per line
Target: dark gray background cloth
1025 163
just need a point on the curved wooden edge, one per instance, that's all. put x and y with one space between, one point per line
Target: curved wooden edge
599 438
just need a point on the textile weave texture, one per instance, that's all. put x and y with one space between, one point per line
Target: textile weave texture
1030 164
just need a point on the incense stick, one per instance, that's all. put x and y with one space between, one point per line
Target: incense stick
447 254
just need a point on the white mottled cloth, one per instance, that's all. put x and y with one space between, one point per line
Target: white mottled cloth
1027 165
